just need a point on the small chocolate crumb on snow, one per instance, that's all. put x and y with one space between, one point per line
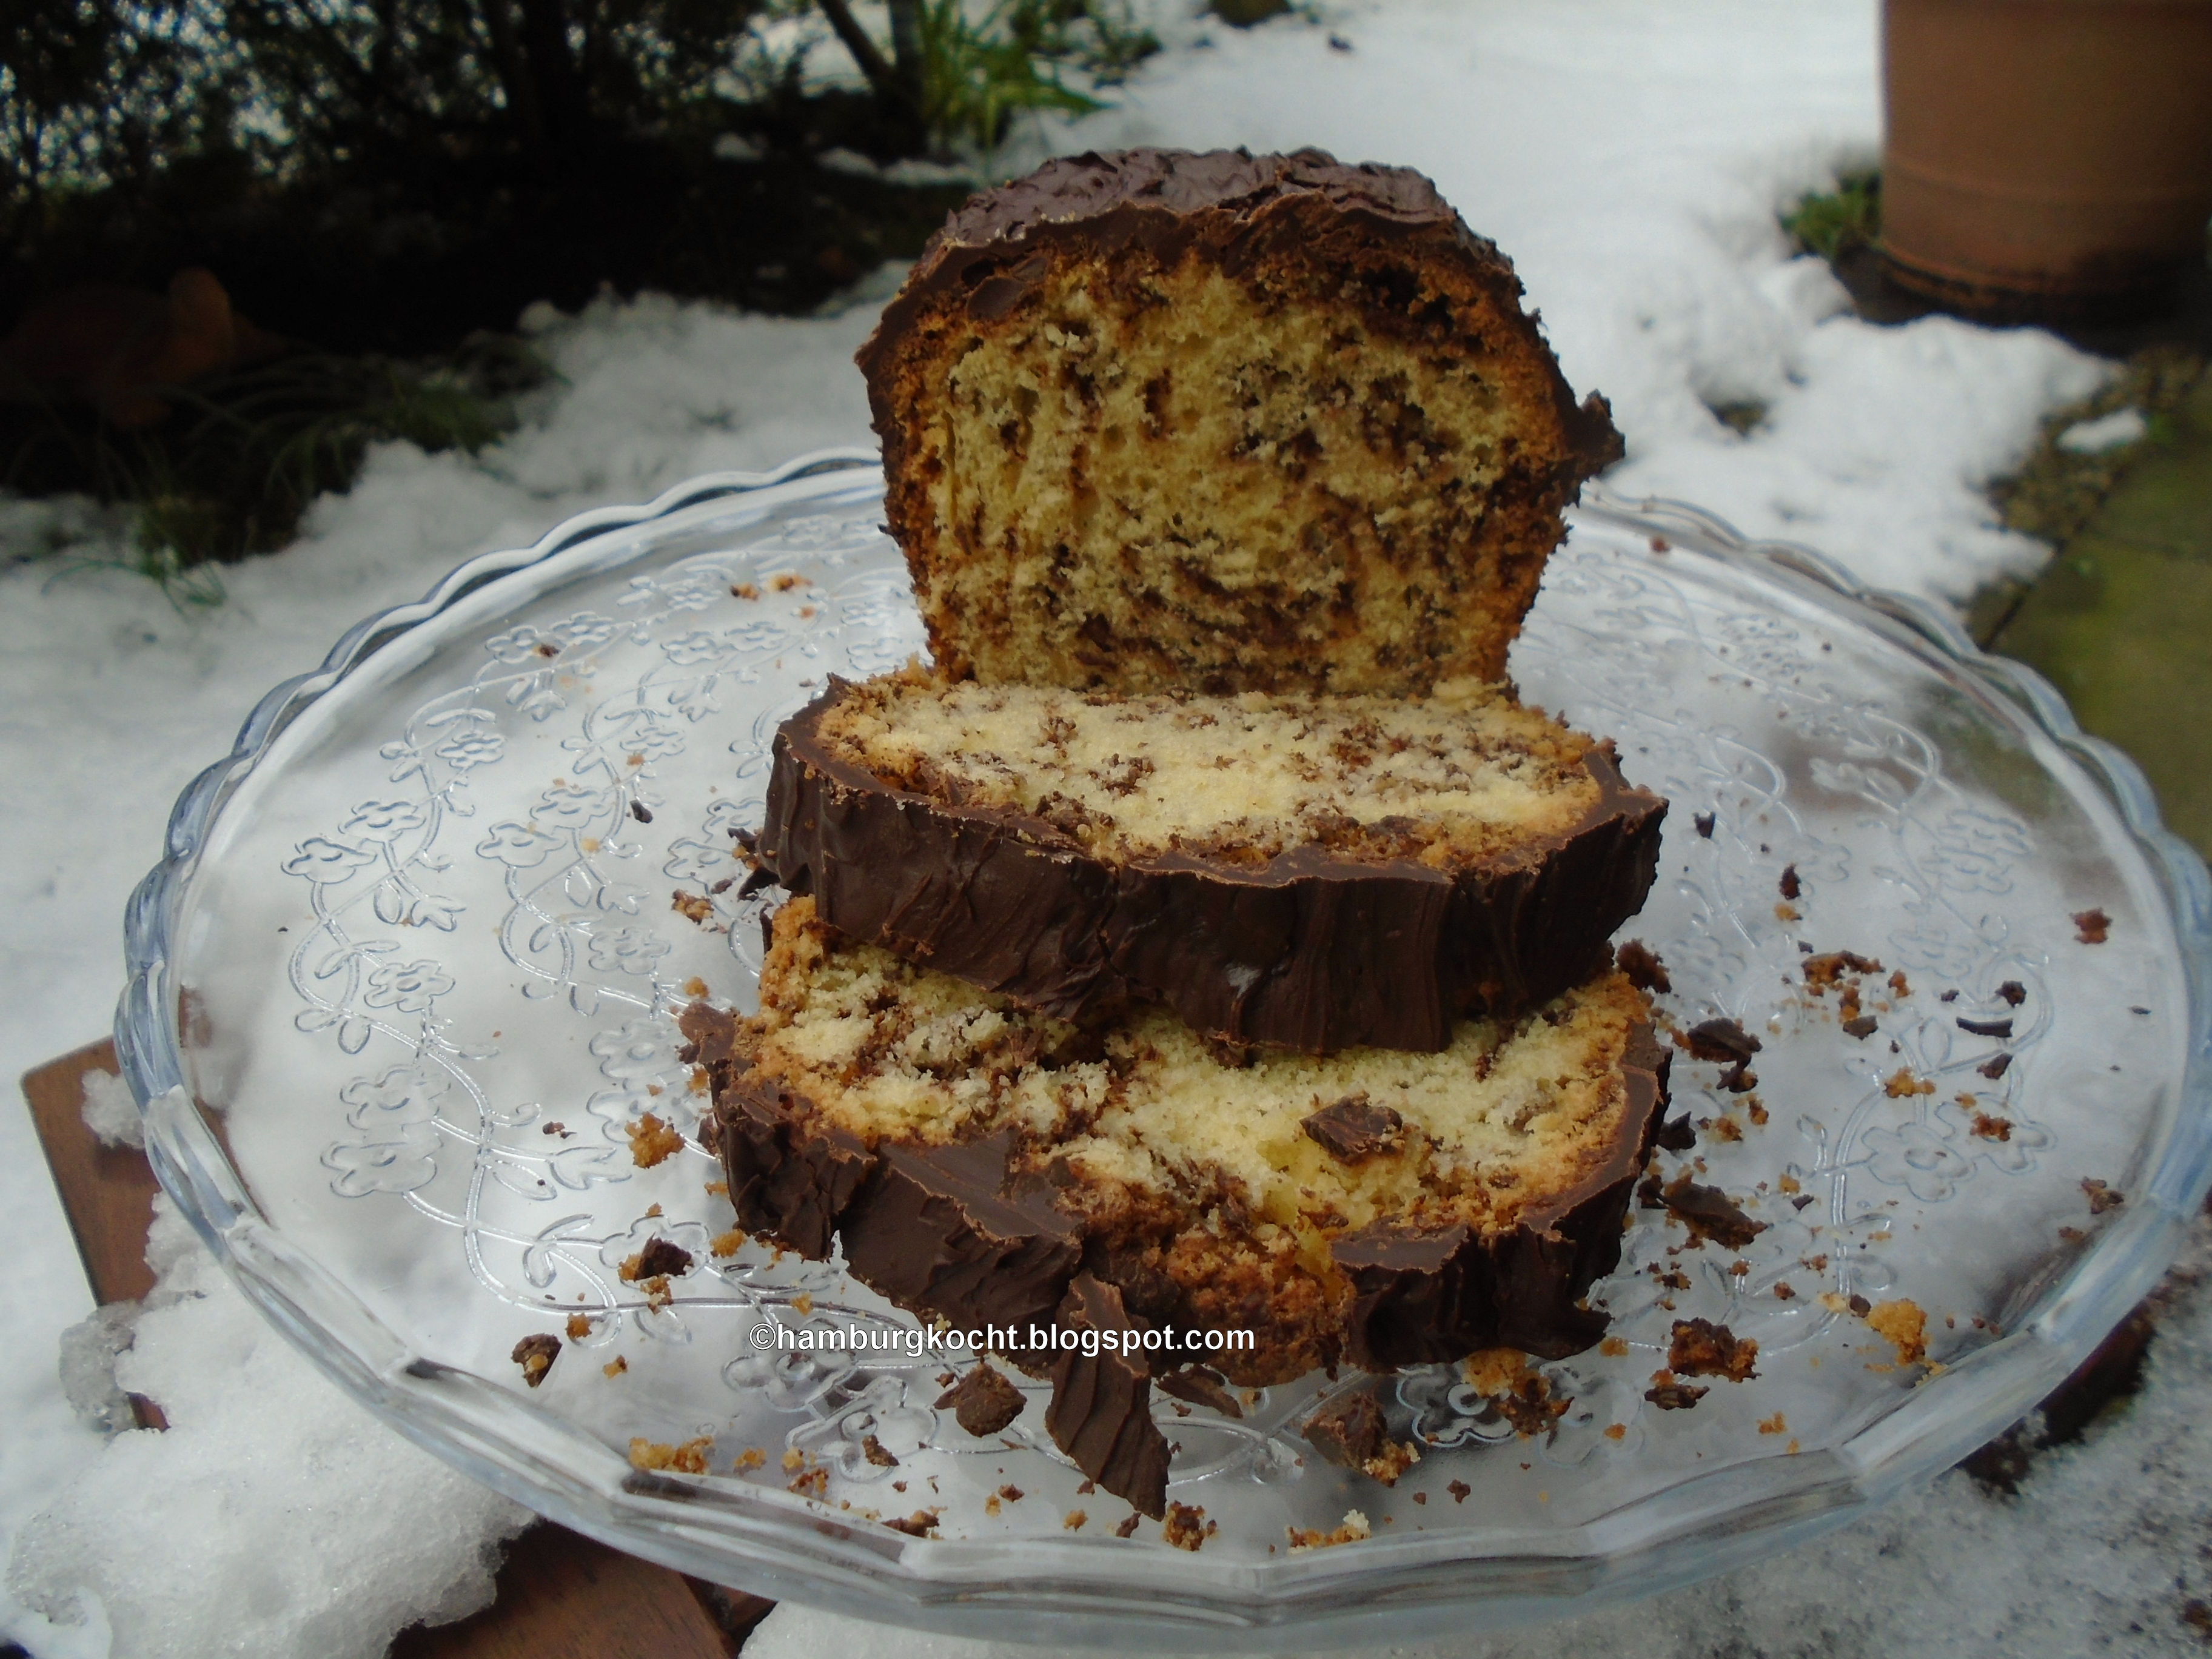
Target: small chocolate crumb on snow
640 811
1701 1348
1995 1066
1791 887
1641 963
983 1402
2091 927
1352 1130
1862 1028
920 1524
1128 1525
2012 994
1674 1396
1704 823
2101 1197
536 1355
1988 1028
1459 1490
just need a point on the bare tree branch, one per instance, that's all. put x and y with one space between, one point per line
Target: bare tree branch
882 76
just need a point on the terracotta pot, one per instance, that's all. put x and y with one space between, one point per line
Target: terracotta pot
2049 157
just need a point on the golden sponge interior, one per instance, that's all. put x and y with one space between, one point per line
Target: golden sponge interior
1445 780
1506 1119
1148 478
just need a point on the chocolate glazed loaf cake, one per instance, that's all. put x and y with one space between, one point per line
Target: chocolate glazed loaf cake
1311 873
990 1165
1223 423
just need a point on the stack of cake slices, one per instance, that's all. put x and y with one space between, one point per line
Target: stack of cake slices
1209 942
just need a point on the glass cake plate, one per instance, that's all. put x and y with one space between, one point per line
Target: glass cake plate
404 983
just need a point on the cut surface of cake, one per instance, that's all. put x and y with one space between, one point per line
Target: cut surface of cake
985 1164
1310 872
1223 423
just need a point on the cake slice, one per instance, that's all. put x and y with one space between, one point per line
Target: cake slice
1223 423
1315 873
989 1165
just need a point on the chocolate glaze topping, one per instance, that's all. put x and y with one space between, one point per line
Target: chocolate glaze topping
1235 206
1422 1297
1310 951
1100 1413
934 1231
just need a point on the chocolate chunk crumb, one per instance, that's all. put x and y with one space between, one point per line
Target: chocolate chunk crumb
660 1256
2091 927
1202 1387
1701 1348
1459 1490
1723 1040
1641 963
1673 1135
1708 1213
1801 1200
2012 993
1351 1130
1349 1432
920 1524
1791 887
1991 1027
983 1402
1948 996
638 810
1862 1028
1995 1066
873 1450
2101 1197
1086 1489
1127 1526
1676 1396
1859 1305
1738 1079
1704 823
536 1355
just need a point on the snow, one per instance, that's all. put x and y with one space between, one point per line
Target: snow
2113 431
110 1111
1630 158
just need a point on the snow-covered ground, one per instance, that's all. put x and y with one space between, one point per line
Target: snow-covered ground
1629 155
